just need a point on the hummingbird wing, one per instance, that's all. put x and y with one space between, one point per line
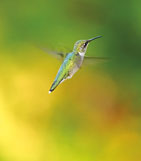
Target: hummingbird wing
64 71
94 60
60 77
58 55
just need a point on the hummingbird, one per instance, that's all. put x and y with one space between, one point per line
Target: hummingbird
72 61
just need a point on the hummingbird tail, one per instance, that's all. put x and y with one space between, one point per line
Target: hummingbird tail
51 89
49 92
54 85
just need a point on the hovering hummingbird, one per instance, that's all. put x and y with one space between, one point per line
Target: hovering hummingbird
73 61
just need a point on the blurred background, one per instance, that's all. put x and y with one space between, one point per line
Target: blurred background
96 115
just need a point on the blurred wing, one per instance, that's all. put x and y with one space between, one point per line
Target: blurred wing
58 55
94 60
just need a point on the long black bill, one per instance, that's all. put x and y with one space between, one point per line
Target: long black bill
93 38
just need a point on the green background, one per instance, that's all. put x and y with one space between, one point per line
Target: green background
96 115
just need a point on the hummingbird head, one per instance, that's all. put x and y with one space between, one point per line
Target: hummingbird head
81 45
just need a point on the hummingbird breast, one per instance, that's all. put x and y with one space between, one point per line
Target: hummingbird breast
76 65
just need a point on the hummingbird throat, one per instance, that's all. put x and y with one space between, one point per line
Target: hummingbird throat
81 53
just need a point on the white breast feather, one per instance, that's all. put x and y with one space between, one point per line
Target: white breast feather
81 54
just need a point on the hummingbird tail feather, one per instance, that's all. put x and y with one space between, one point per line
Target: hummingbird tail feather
54 85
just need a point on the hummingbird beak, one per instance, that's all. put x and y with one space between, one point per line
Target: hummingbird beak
93 38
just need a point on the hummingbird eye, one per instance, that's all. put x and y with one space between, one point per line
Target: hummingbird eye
85 44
